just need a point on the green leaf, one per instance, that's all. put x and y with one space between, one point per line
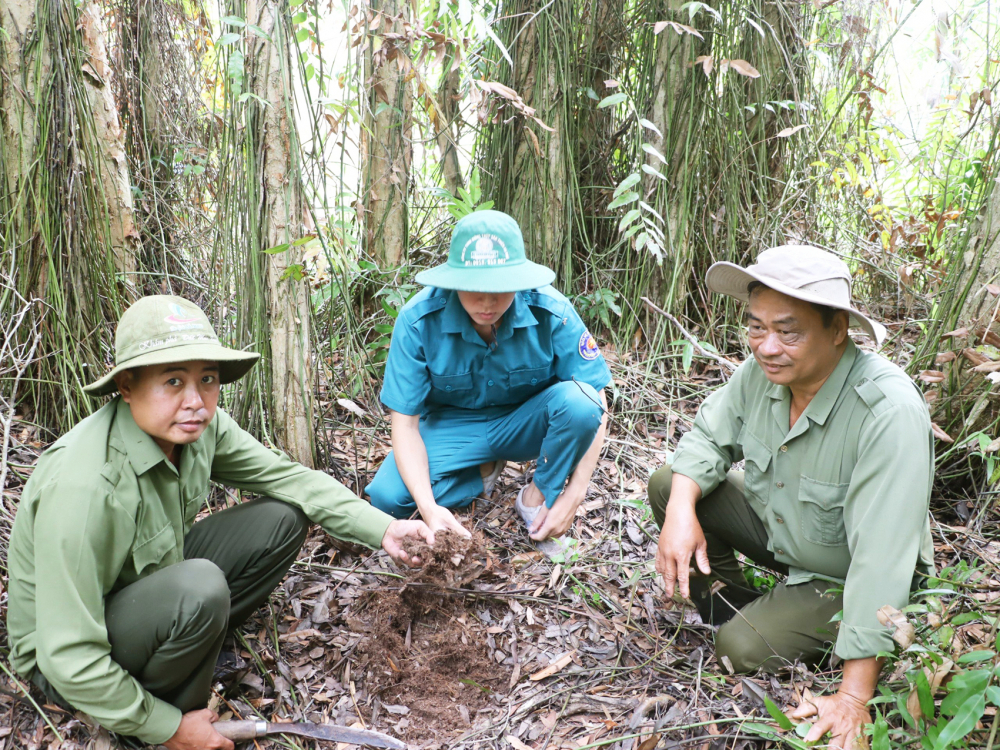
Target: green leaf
611 101
993 693
974 656
628 218
651 126
227 39
625 184
295 272
783 721
963 723
880 734
623 200
234 21
687 357
925 696
651 150
277 249
651 170
301 35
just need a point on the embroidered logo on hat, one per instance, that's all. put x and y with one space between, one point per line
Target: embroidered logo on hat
486 251
588 347
177 315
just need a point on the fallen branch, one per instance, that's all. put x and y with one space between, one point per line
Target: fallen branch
729 366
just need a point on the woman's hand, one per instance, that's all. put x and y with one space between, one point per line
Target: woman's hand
442 519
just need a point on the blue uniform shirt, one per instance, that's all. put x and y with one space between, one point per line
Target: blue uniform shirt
437 359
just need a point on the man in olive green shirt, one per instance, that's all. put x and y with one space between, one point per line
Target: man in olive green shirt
119 601
839 460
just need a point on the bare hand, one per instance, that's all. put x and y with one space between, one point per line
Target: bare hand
680 539
442 519
197 733
554 521
392 541
840 714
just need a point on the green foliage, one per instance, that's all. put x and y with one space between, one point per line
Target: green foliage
468 200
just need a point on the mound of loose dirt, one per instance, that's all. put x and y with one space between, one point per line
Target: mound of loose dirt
424 651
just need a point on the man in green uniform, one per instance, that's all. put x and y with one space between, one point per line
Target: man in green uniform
839 461
119 601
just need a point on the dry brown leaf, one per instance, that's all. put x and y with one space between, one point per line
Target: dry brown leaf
976 358
791 131
516 743
554 667
913 705
993 289
706 62
650 742
944 357
743 68
941 434
931 376
352 407
956 334
660 26
903 632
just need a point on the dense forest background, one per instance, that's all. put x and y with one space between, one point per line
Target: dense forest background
291 164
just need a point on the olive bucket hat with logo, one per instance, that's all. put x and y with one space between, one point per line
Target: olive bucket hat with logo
162 329
800 271
487 255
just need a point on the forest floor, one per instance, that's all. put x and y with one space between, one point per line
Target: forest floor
492 644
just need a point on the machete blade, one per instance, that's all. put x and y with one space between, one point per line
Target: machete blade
338 734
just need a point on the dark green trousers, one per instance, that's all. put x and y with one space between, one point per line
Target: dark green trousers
758 630
166 630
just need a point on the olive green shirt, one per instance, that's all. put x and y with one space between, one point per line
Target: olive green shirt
844 493
105 508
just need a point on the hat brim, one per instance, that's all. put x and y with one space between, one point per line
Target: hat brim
233 364
488 279
732 280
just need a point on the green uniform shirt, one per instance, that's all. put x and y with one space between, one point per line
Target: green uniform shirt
844 493
104 508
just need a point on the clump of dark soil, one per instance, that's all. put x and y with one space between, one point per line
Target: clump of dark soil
425 651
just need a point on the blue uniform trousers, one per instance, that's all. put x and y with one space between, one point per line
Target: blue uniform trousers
556 426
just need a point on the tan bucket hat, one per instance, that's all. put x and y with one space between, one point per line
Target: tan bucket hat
161 329
800 271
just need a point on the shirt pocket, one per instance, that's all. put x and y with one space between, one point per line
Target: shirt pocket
154 551
823 511
452 383
529 381
758 459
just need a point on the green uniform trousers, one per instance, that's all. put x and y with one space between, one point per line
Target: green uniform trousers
758 630
166 629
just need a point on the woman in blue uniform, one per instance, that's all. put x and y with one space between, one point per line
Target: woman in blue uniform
490 364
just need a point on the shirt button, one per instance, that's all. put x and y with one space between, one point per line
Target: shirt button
779 519
489 382
780 551
784 449
534 380
447 387
779 485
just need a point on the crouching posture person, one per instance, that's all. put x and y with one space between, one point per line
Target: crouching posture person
489 364
839 462
119 602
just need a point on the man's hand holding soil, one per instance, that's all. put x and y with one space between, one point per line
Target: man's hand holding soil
399 530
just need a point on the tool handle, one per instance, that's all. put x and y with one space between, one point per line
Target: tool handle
240 731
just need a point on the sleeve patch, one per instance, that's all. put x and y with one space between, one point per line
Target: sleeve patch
588 347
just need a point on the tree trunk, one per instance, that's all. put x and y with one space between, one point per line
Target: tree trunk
447 95
66 197
388 149
531 167
280 191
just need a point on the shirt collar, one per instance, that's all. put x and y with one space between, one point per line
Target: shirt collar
823 402
143 452
457 320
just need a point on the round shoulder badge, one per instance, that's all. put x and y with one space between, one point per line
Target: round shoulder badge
588 346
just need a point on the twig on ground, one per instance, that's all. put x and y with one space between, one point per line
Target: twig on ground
729 366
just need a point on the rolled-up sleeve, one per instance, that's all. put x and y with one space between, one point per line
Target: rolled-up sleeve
884 515
710 448
79 551
242 461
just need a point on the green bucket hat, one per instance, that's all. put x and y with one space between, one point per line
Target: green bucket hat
487 255
161 329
